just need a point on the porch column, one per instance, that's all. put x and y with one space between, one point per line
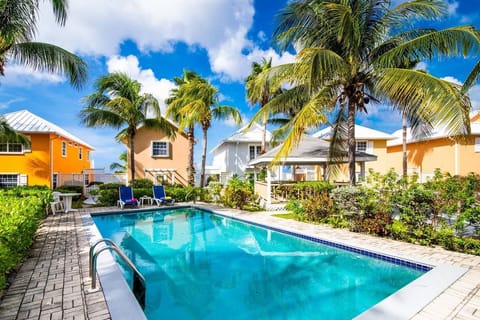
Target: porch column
324 167
269 187
362 170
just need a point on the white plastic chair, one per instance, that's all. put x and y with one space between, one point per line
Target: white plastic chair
57 204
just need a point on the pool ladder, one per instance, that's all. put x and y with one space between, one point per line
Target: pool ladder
139 286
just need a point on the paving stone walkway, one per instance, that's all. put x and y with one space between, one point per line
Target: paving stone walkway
53 282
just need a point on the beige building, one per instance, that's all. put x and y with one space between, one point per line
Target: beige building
160 159
425 154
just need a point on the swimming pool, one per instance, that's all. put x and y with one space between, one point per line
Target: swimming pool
199 265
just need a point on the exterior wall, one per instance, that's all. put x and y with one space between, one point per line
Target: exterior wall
71 163
232 157
219 159
468 159
381 165
426 156
36 164
173 167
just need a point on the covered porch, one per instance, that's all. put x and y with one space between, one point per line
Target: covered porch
309 161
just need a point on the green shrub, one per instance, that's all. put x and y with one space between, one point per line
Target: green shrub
296 207
319 208
238 194
20 214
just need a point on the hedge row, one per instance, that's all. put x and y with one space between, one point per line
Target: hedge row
21 211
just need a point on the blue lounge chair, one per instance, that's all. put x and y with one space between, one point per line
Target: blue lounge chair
126 197
159 196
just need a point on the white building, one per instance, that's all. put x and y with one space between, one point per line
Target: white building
231 155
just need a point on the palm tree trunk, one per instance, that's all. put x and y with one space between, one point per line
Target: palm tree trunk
404 145
204 157
191 168
351 142
264 135
132 159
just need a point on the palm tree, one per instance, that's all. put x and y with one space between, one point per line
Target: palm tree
117 103
262 96
120 167
18 20
349 55
201 106
175 102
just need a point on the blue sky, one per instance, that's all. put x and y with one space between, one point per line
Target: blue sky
154 41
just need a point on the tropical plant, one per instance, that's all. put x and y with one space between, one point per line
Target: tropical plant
262 96
175 102
117 103
7 133
18 22
198 103
120 167
349 55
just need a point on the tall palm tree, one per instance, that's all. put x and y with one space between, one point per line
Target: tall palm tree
18 21
117 103
175 102
120 167
201 106
349 55
262 97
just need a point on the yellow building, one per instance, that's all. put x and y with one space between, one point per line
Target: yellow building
425 154
159 158
52 151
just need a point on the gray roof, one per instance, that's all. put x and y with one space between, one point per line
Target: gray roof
310 151
26 122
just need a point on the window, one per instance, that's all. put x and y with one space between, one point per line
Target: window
11 147
64 149
8 180
54 181
80 153
361 146
253 152
160 149
477 145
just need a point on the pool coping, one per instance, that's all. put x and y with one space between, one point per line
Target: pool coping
403 304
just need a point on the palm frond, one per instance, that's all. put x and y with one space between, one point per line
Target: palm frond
434 100
162 124
414 10
472 78
455 41
51 58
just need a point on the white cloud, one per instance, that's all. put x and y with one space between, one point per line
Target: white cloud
6 104
452 80
231 123
474 94
160 88
20 75
452 7
218 26
421 66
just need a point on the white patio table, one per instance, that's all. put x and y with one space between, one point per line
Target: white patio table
67 200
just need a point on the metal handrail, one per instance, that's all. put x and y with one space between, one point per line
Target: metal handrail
139 284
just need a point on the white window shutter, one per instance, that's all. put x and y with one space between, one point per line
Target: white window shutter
370 147
22 180
477 144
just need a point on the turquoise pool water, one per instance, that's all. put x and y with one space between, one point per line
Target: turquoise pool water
199 265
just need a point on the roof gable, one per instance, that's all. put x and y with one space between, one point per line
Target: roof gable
26 122
361 133
246 135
